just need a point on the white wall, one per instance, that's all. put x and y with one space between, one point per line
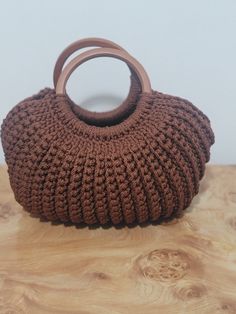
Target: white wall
188 48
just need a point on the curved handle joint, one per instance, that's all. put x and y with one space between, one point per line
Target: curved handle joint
103 52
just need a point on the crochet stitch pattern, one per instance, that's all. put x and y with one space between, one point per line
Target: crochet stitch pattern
143 163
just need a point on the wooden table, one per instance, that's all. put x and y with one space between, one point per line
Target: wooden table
187 265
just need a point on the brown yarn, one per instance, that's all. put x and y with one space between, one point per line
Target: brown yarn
138 163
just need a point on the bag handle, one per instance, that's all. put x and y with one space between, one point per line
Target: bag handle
80 44
103 52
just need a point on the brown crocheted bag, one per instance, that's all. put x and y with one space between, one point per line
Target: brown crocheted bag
136 163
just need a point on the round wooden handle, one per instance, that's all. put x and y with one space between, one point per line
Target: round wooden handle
103 52
77 45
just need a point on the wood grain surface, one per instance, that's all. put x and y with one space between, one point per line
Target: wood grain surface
186 265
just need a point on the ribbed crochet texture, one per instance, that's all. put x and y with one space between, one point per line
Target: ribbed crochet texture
146 164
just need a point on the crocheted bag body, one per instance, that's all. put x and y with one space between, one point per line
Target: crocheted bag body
137 163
